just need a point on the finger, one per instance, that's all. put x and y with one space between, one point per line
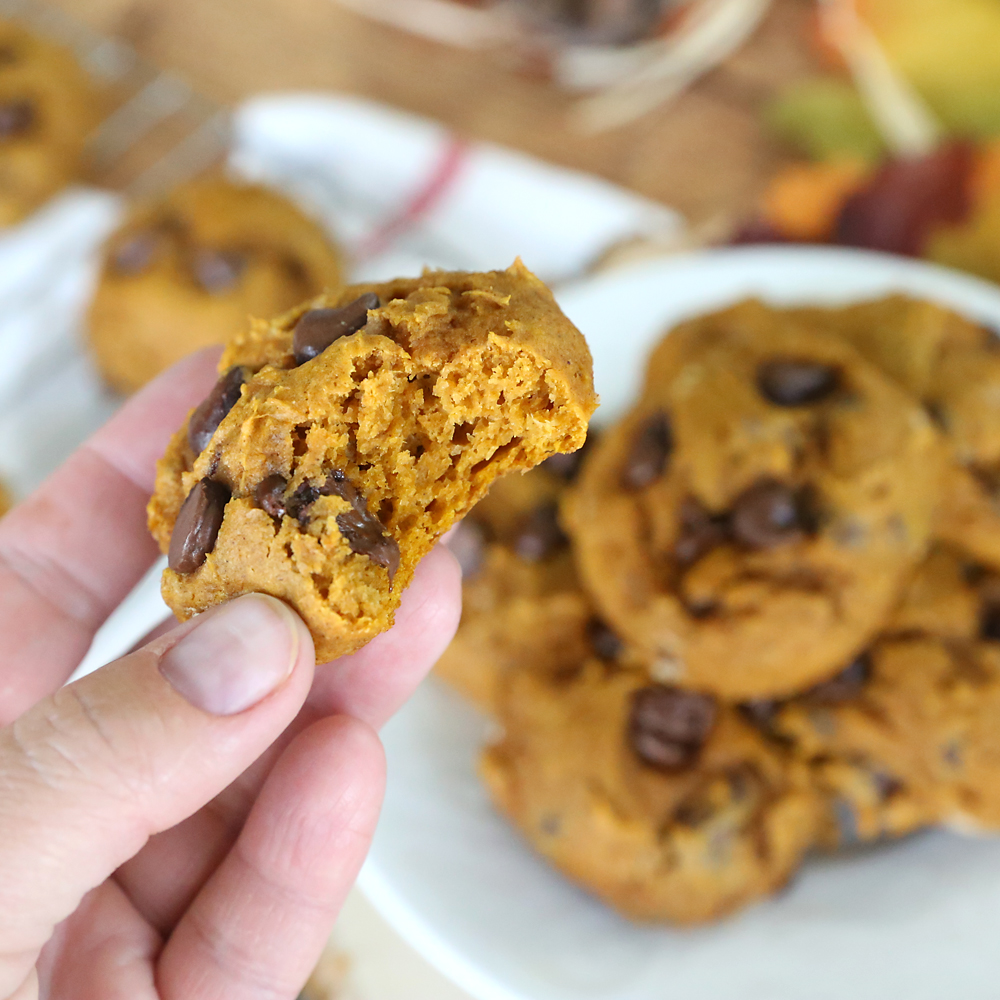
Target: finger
104 950
257 928
88 775
370 685
72 551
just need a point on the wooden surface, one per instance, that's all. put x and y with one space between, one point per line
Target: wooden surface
706 153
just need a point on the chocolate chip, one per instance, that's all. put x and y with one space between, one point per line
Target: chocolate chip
796 382
700 531
846 685
338 485
768 514
270 495
467 544
760 712
317 329
212 411
301 500
567 466
603 640
667 726
8 55
564 466
651 447
217 271
366 537
989 622
197 526
134 254
16 117
540 534
364 533
886 785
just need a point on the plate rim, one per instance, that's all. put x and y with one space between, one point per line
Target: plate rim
959 290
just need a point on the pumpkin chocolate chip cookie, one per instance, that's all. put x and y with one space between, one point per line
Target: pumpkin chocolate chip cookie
519 586
344 437
952 365
906 735
662 802
48 107
188 271
751 522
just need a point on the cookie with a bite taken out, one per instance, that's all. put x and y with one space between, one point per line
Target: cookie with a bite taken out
346 436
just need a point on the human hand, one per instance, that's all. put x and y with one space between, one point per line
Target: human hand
185 822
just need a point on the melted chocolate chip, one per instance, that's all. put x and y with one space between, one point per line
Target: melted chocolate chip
367 537
212 411
796 382
467 544
217 271
667 727
603 640
16 117
197 526
700 531
768 514
134 254
317 329
338 485
651 447
989 622
270 495
846 685
540 534
364 533
301 500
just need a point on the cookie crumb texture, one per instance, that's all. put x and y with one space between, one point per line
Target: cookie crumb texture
331 477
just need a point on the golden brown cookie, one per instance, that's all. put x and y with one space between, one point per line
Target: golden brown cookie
48 107
347 435
188 271
661 802
518 579
906 736
751 522
953 366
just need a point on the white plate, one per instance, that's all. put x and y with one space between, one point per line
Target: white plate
918 919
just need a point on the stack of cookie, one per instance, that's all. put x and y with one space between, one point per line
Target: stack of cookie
759 615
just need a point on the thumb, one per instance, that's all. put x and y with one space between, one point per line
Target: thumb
88 775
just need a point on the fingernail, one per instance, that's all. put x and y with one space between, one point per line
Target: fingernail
235 656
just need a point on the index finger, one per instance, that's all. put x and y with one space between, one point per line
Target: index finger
73 549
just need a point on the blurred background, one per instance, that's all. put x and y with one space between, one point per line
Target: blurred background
583 134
